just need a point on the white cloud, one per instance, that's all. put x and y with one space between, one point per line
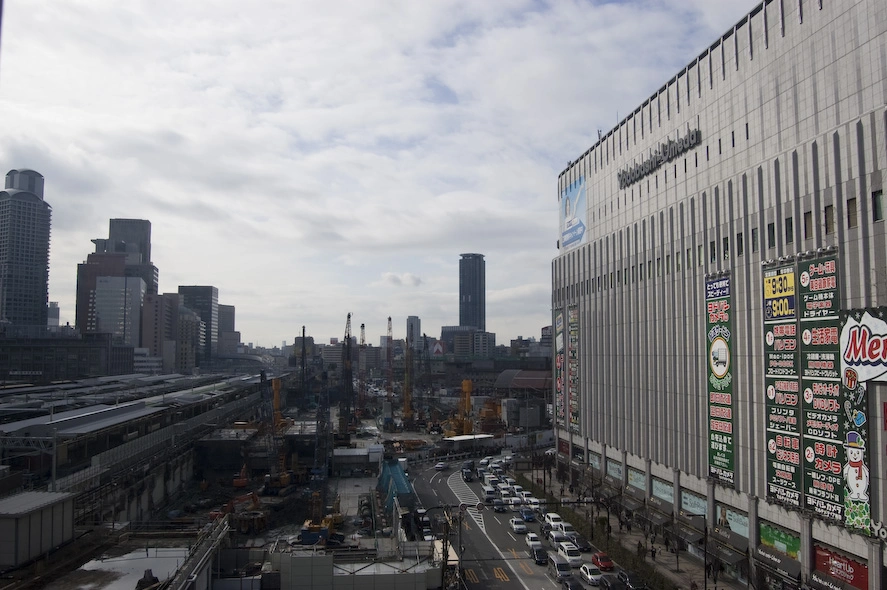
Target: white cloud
311 159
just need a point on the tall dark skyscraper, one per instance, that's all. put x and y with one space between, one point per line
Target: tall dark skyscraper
24 250
133 238
204 301
472 291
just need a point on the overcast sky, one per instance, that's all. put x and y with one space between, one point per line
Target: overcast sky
312 159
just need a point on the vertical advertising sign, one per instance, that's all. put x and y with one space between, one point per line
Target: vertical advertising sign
784 470
573 367
863 352
823 431
559 370
719 344
573 210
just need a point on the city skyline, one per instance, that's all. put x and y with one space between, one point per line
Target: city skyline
448 123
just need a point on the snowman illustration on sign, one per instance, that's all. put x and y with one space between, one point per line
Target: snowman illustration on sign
856 474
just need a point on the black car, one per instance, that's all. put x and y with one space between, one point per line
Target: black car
611 582
631 580
540 556
581 543
571 583
499 506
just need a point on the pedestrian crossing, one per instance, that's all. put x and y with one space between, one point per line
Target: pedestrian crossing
466 495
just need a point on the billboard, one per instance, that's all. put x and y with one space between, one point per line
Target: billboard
573 367
573 214
559 370
782 402
719 347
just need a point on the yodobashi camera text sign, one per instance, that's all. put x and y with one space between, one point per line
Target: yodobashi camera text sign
719 345
782 402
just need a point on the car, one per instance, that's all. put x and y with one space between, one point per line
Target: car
611 582
468 465
590 573
517 525
581 543
499 505
631 580
467 475
440 466
603 561
527 514
551 452
553 518
565 527
514 503
568 551
427 535
571 583
533 541
555 537
485 461
540 556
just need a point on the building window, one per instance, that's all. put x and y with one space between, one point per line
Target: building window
789 230
771 235
689 257
754 239
808 225
851 213
829 219
877 206
700 255
642 271
677 260
726 247
740 247
668 264
658 267
712 252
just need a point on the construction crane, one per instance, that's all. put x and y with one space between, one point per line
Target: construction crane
345 423
361 373
389 358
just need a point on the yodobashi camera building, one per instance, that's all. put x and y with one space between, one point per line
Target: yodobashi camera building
720 296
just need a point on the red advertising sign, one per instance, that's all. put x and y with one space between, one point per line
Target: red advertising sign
842 568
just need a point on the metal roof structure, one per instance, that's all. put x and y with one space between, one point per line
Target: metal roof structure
27 502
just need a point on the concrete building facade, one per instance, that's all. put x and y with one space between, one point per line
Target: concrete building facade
714 249
473 291
204 301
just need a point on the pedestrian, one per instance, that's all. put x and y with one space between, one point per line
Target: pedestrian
667 544
620 525
629 526
694 585
653 553
640 549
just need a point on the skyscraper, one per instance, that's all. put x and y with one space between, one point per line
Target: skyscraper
24 250
472 291
414 332
131 237
204 301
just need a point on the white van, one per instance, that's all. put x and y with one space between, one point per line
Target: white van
489 494
552 518
570 552
564 527
558 567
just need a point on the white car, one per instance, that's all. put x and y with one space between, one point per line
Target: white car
533 541
440 466
518 525
514 503
590 573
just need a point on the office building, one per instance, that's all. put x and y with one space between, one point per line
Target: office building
132 237
204 301
472 291
24 250
118 309
414 332
716 250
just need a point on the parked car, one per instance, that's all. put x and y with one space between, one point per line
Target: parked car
533 541
517 525
631 580
590 573
527 514
581 543
540 556
571 583
603 561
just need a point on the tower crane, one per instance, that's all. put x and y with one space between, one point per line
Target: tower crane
408 385
389 358
345 406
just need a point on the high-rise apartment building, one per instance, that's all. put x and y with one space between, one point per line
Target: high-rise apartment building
472 291
204 301
24 250
719 303
414 332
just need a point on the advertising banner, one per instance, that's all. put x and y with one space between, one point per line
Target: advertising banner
823 430
719 345
842 568
863 354
784 470
573 367
573 208
781 540
560 386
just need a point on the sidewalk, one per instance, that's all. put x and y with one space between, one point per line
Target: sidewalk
691 569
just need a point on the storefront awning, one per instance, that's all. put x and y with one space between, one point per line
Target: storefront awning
778 562
657 518
631 504
687 534
728 556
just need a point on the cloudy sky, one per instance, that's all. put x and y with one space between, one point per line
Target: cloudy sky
314 158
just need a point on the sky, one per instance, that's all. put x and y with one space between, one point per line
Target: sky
315 158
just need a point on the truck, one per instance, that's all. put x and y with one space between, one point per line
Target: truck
402 461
